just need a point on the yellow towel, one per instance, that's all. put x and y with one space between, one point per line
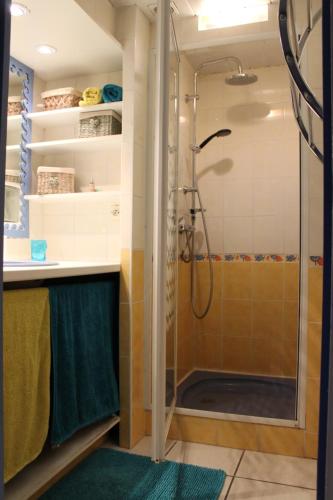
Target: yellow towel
27 361
91 96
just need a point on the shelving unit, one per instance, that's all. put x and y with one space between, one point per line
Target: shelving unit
70 116
91 144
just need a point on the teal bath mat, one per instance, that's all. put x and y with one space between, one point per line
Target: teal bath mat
114 475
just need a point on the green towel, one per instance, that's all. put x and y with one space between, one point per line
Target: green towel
84 324
27 361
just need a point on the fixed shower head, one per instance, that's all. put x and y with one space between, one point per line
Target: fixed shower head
241 78
220 133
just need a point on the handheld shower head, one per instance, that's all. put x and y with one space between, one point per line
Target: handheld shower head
220 133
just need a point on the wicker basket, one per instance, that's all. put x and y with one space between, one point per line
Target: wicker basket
13 176
99 123
61 98
54 180
14 105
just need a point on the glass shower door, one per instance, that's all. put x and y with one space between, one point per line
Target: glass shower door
165 246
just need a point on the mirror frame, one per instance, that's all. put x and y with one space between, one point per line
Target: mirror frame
21 229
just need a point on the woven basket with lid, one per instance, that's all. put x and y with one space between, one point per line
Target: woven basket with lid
55 180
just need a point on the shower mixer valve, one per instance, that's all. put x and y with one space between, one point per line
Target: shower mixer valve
187 189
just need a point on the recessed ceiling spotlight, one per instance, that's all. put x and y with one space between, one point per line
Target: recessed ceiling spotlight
46 50
18 9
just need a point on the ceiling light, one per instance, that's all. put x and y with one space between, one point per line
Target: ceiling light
18 9
46 49
223 14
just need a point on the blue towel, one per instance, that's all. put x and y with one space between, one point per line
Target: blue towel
84 330
112 93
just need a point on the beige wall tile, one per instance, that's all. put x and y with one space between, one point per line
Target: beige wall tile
125 262
311 445
236 318
292 280
315 294
267 319
268 354
289 359
138 425
138 275
124 329
268 281
148 422
314 350
237 280
312 405
209 349
237 354
291 323
195 429
281 440
237 435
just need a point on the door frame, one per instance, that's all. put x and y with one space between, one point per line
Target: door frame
160 228
325 448
4 71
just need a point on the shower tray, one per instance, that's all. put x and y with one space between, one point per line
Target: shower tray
259 396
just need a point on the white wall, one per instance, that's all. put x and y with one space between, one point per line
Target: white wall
250 179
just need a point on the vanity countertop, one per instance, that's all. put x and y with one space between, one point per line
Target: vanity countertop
61 270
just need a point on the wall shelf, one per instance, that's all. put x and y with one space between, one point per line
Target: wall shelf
81 145
70 116
15 148
45 198
13 122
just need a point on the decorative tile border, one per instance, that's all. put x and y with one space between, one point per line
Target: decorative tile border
316 261
242 257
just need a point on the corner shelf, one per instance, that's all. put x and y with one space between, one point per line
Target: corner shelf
90 144
44 198
70 116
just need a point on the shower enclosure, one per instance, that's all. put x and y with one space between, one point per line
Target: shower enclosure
232 344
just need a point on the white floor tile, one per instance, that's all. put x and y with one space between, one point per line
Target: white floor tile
214 457
247 489
291 471
225 489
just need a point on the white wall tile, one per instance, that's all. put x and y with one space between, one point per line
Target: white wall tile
59 224
267 194
238 198
257 166
268 234
238 234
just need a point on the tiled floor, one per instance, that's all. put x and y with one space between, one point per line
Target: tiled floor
250 475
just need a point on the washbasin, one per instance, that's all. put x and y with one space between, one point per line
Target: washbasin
28 263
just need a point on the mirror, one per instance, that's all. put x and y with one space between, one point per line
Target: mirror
18 157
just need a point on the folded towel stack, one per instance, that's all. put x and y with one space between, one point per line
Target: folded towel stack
112 93
91 96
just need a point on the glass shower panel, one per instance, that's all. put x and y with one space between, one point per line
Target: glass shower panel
165 246
172 229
